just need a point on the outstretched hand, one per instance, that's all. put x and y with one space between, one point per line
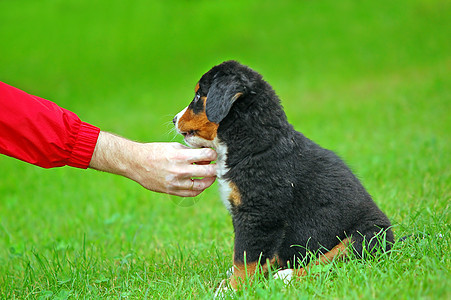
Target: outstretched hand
160 167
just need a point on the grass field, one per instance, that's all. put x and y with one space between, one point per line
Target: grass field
368 79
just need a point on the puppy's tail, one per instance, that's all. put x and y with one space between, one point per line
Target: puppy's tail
404 238
418 236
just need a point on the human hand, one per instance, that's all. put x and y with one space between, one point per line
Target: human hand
160 167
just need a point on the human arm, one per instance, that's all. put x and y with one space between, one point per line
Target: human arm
40 132
160 167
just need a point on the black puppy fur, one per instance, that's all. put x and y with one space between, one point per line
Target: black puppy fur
295 196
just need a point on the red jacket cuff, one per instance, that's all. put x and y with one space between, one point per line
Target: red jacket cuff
85 143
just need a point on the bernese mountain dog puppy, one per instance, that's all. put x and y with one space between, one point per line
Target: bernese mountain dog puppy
288 197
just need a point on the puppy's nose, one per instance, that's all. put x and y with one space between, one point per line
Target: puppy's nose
174 120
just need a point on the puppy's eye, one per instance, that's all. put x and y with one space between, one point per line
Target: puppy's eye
196 105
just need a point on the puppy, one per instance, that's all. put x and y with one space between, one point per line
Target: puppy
288 197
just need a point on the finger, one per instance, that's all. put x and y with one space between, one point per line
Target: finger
201 170
179 146
195 155
185 193
197 184
204 183
188 193
201 184
193 187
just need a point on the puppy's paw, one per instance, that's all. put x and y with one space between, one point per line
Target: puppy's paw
223 291
229 272
285 275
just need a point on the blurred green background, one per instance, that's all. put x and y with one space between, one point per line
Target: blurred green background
368 79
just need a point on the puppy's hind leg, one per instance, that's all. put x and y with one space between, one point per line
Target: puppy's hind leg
338 252
368 243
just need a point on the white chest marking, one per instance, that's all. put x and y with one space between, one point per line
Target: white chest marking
221 150
224 184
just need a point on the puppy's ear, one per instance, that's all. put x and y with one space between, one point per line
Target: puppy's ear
221 96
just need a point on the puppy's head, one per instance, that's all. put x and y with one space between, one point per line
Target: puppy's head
215 94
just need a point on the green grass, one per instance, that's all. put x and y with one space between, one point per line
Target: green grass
368 79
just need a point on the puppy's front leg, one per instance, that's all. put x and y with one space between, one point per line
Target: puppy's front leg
255 251
241 271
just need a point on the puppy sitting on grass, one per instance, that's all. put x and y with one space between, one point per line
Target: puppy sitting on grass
287 196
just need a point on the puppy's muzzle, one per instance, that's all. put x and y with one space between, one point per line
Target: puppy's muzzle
185 134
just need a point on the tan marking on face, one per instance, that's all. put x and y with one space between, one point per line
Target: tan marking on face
234 196
196 88
198 123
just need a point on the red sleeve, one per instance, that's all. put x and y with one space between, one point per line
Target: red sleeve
40 132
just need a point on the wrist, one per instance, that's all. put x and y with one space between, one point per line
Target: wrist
111 154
